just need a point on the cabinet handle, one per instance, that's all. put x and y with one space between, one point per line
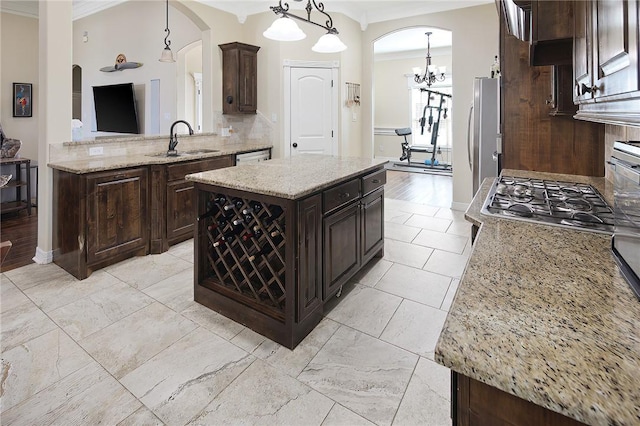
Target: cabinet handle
375 181
344 195
586 89
229 99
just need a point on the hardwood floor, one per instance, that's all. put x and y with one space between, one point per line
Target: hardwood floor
22 230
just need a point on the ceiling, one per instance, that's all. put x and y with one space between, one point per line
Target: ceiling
363 11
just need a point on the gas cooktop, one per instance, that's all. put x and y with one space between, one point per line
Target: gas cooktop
550 202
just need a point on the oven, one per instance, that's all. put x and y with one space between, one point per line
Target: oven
625 166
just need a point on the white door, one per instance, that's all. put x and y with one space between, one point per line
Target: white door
311 111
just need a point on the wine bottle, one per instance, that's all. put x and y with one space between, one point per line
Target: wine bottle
213 210
265 250
238 221
247 236
256 207
220 200
219 243
247 211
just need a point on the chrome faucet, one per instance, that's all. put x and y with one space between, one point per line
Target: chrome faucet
173 138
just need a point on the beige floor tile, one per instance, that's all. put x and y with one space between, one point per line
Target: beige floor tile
415 284
99 310
125 345
89 396
292 362
142 417
56 293
248 340
207 364
371 273
446 263
428 222
34 365
451 293
399 232
461 228
442 241
183 250
341 416
212 321
10 295
393 215
405 253
262 395
365 309
142 272
362 373
415 327
409 207
176 292
34 274
427 399
21 324
447 213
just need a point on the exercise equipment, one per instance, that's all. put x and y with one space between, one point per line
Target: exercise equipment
433 127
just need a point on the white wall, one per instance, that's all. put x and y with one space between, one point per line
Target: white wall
474 44
19 64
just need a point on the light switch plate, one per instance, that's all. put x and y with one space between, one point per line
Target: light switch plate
96 150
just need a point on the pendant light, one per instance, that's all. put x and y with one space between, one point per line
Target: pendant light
167 55
285 29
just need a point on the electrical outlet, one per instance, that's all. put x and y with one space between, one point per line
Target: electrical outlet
96 150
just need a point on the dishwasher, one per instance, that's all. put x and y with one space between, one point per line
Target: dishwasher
253 157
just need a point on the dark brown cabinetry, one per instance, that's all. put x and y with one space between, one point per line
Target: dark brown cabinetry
475 403
99 218
606 73
271 263
172 209
239 78
551 32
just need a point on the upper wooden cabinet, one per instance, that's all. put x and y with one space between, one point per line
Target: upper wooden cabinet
606 75
551 32
239 78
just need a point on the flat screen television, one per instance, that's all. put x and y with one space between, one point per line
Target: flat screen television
115 107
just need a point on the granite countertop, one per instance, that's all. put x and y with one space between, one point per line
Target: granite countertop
290 178
107 162
543 313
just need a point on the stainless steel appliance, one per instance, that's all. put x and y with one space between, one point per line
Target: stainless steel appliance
550 202
482 130
625 165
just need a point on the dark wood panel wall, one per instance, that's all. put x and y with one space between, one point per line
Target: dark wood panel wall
532 138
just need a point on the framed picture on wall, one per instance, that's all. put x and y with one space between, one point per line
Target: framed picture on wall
22 100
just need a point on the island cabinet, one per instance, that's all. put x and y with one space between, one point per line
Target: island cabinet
259 258
172 208
606 72
99 218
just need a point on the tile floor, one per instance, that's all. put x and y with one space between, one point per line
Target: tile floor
128 345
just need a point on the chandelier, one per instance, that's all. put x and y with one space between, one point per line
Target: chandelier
431 72
285 29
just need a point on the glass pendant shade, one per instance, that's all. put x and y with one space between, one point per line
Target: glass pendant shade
167 55
284 29
329 43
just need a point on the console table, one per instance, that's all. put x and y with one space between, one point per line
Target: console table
17 183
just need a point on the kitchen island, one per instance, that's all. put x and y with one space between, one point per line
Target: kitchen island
275 241
543 328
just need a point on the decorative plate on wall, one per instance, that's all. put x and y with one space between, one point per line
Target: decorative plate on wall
121 64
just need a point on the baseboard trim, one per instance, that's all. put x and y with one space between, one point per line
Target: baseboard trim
42 257
455 205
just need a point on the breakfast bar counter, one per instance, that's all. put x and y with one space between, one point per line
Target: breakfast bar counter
275 241
542 313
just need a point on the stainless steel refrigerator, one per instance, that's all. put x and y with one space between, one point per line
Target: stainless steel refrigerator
483 138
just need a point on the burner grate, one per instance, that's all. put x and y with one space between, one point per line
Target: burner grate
575 205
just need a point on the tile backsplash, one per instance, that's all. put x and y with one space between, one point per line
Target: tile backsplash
250 127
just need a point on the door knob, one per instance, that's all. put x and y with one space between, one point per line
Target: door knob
586 89
295 145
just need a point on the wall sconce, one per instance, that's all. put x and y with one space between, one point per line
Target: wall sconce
431 72
285 29
167 55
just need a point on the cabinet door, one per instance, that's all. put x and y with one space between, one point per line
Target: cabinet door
247 82
341 247
582 51
616 52
116 213
179 210
372 224
309 269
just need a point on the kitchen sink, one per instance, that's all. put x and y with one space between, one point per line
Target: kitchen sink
183 153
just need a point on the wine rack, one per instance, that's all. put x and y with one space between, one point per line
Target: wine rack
245 250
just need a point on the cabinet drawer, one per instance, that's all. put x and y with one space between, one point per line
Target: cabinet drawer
341 195
179 170
374 181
